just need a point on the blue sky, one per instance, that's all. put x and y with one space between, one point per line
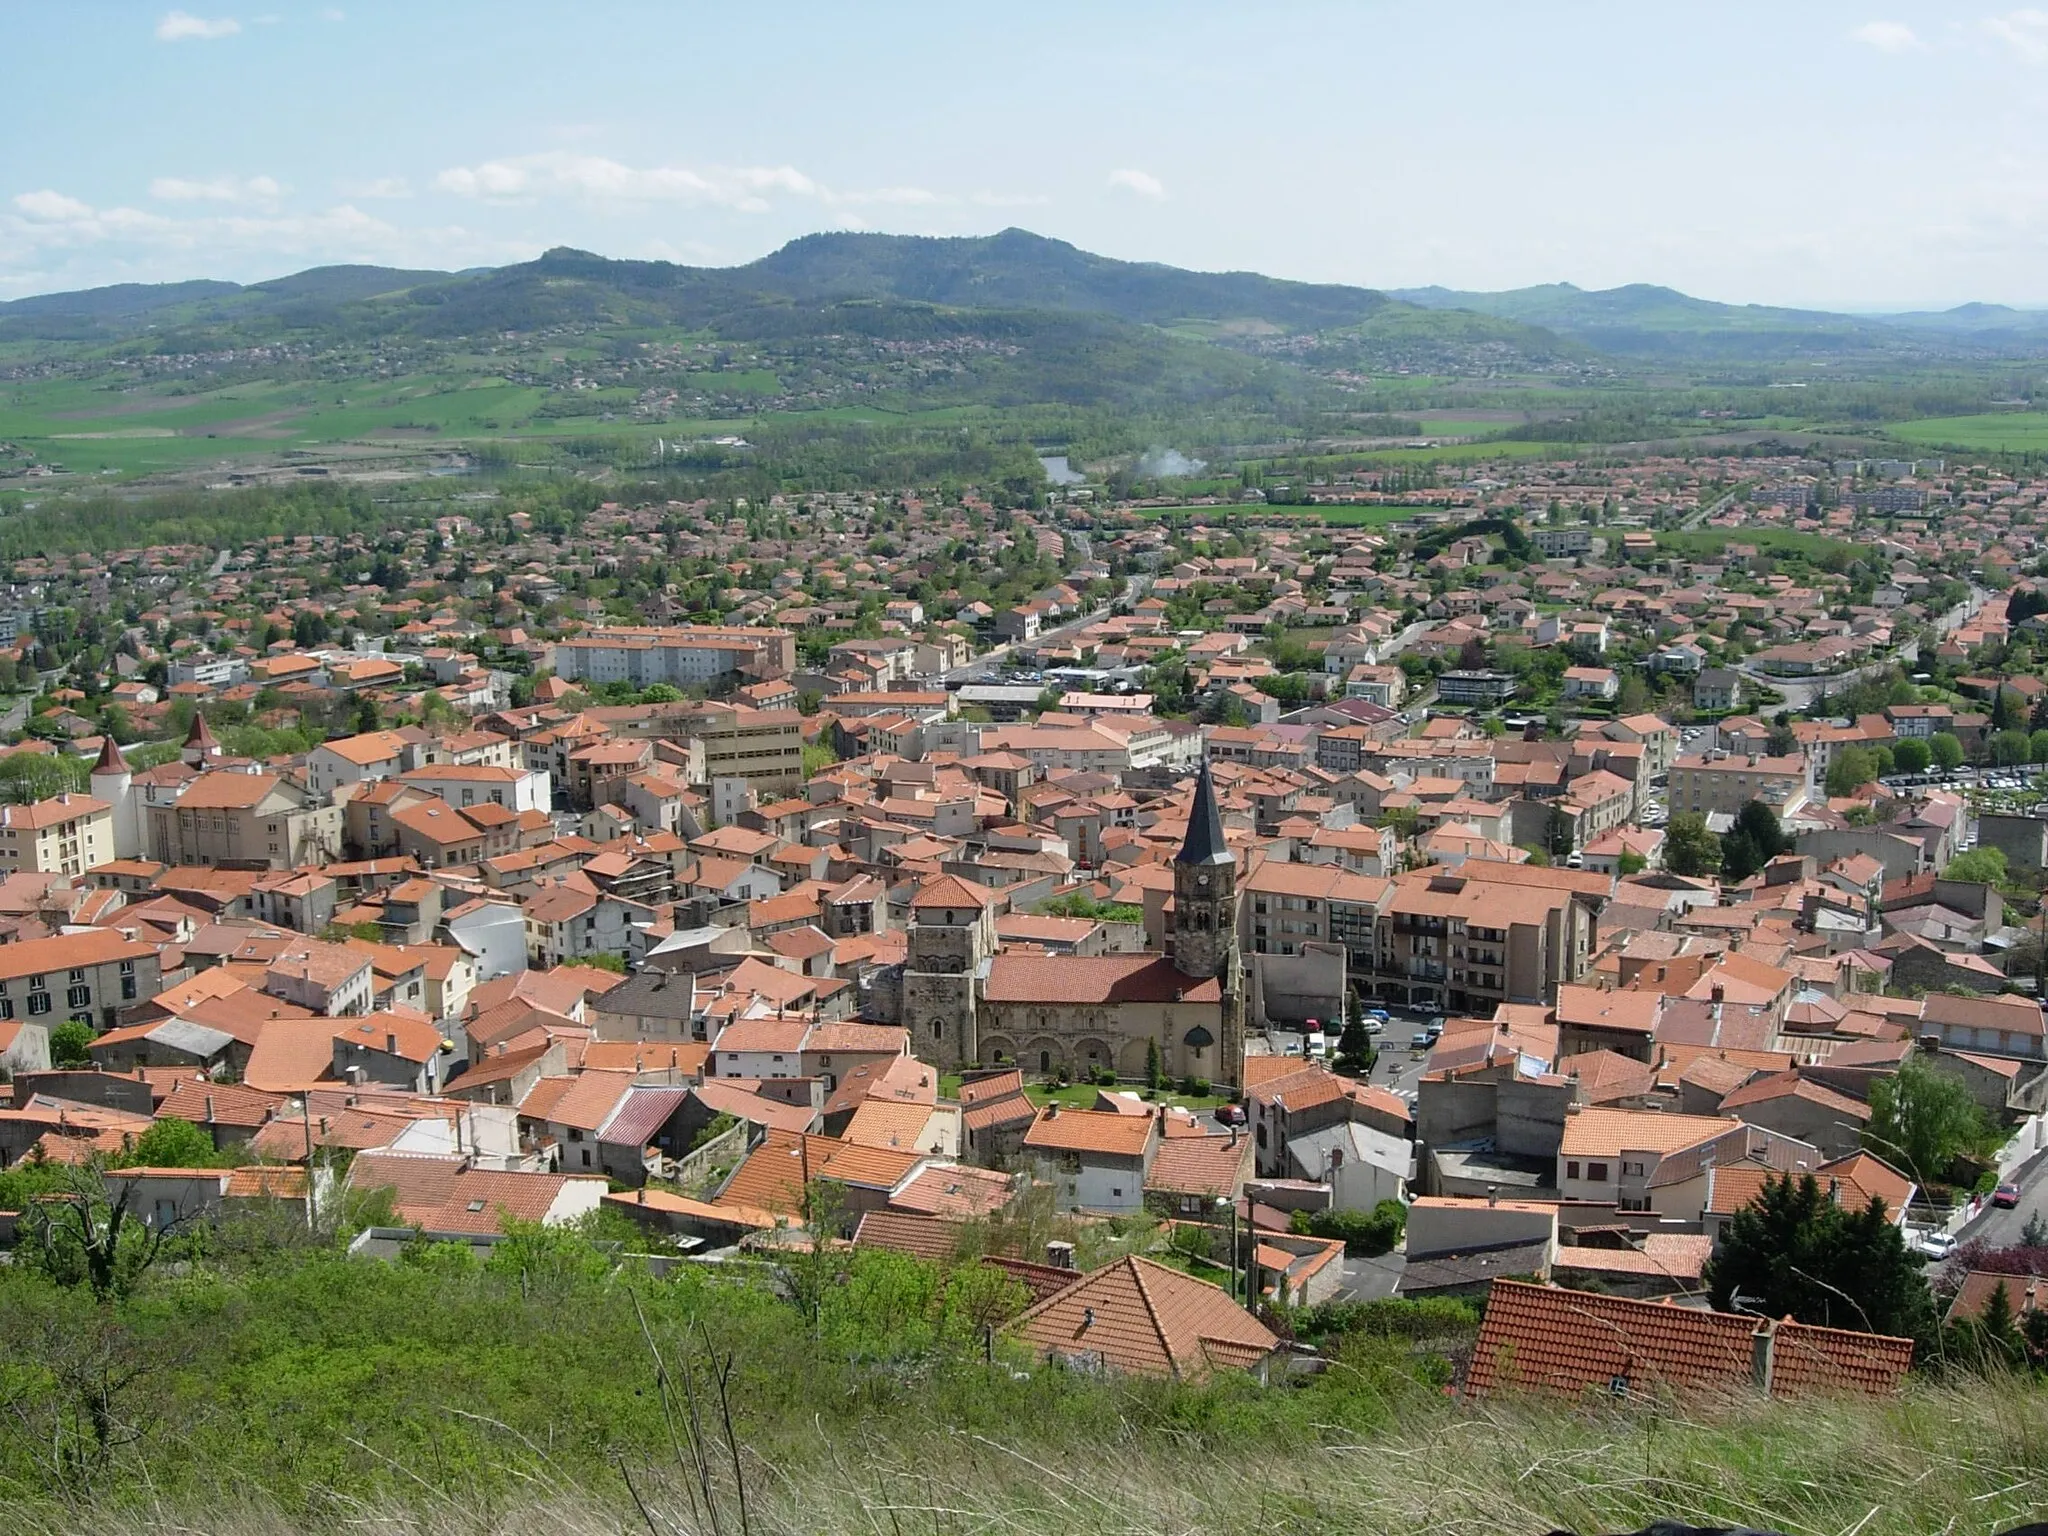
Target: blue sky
1804 153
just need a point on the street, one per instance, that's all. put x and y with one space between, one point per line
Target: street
2001 1229
993 659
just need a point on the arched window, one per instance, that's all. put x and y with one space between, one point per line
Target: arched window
1045 1061
938 1029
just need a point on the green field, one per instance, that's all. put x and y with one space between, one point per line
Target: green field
1996 432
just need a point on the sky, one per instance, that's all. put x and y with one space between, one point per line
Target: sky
1807 153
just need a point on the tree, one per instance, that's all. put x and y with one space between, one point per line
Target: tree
1632 863
172 1143
1783 741
1912 755
1689 848
1354 1047
69 1044
1793 1252
2005 709
1980 866
1753 842
84 1233
2009 748
1852 768
1948 750
1155 1074
2037 747
1922 1121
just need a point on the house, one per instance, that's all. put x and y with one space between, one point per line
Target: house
1599 683
1140 1318
1717 689
1096 1160
443 1196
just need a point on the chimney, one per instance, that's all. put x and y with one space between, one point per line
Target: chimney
1059 1255
1720 993
209 1109
391 1043
1087 1318
1762 1345
1493 1194
323 1125
1052 1110
643 1194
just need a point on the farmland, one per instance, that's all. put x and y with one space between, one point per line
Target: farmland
1994 432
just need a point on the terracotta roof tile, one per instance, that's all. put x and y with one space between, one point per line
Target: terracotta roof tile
1536 1338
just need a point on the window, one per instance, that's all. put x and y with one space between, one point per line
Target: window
1571 1169
6 1008
76 977
938 1030
78 997
1596 1173
1634 1170
39 1002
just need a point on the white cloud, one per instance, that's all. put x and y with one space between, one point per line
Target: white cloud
2024 31
222 189
52 207
745 189
382 187
1887 36
182 26
1143 183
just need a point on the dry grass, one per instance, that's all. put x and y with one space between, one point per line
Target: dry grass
1963 1461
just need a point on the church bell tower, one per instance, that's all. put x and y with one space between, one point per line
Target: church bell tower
1205 918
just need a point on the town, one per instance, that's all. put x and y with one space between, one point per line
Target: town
1521 894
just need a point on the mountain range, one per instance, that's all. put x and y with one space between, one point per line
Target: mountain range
889 285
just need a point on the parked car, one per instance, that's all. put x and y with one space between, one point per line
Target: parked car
1230 1114
2006 1197
1435 1028
1936 1245
1421 1040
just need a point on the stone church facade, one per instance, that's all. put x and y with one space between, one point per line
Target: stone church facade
966 1006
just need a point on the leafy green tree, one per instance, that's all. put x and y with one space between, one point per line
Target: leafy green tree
1632 863
2005 710
1155 1074
70 1044
173 1143
1689 848
1985 866
1922 1121
1948 750
2037 747
2009 748
1851 769
1792 1252
1912 755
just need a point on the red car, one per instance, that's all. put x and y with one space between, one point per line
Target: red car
1230 1114
2006 1196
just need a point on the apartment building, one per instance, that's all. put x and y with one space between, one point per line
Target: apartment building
243 821
1469 940
1287 906
464 785
681 655
765 747
63 835
89 976
1724 781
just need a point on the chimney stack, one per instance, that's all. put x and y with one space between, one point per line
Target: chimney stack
1493 1194
1059 1255
1762 1345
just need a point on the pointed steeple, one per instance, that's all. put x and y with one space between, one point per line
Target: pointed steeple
199 743
110 759
1205 844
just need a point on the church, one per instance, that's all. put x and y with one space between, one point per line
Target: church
968 1006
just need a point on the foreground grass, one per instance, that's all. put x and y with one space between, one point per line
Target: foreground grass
1948 1460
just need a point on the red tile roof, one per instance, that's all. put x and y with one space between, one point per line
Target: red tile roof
1143 1318
1537 1338
1097 979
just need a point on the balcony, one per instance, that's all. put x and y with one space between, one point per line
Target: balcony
1426 970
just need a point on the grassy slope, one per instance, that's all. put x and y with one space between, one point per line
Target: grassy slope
1965 1463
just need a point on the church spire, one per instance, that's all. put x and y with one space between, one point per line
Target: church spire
1204 844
